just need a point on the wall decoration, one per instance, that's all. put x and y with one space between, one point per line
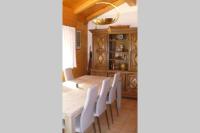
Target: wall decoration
78 39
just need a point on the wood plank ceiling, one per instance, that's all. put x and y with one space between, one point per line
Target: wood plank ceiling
88 9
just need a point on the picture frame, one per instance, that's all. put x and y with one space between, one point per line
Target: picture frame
78 39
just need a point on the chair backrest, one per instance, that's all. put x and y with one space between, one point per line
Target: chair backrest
119 95
101 102
87 115
68 74
112 93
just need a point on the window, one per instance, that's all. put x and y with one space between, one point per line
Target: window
69 47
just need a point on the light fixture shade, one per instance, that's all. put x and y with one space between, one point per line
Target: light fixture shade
105 21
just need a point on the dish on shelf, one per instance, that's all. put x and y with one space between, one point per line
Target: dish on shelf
120 37
123 66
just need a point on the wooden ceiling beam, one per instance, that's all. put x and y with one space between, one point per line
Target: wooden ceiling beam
87 4
131 2
103 10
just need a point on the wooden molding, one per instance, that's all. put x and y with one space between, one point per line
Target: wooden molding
103 10
87 4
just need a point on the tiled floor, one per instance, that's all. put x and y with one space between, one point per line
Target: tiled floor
126 122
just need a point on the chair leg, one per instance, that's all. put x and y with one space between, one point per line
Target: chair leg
117 108
111 112
99 124
94 127
107 119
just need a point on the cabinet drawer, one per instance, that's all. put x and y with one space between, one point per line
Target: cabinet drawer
99 73
111 74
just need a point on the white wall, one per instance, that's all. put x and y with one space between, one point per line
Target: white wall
128 16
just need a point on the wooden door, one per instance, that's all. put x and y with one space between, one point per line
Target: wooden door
100 50
131 86
133 52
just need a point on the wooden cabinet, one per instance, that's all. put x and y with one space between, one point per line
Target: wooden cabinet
115 49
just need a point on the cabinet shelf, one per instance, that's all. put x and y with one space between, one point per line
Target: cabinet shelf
122 60
118 40
119 52
119 45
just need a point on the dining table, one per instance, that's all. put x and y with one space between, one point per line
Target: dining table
74 94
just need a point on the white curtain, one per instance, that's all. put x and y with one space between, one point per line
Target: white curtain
69 47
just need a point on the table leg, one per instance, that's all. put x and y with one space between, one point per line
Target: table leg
69 125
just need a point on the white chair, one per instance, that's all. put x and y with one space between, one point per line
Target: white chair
112 97
68 74
86 118
101 102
